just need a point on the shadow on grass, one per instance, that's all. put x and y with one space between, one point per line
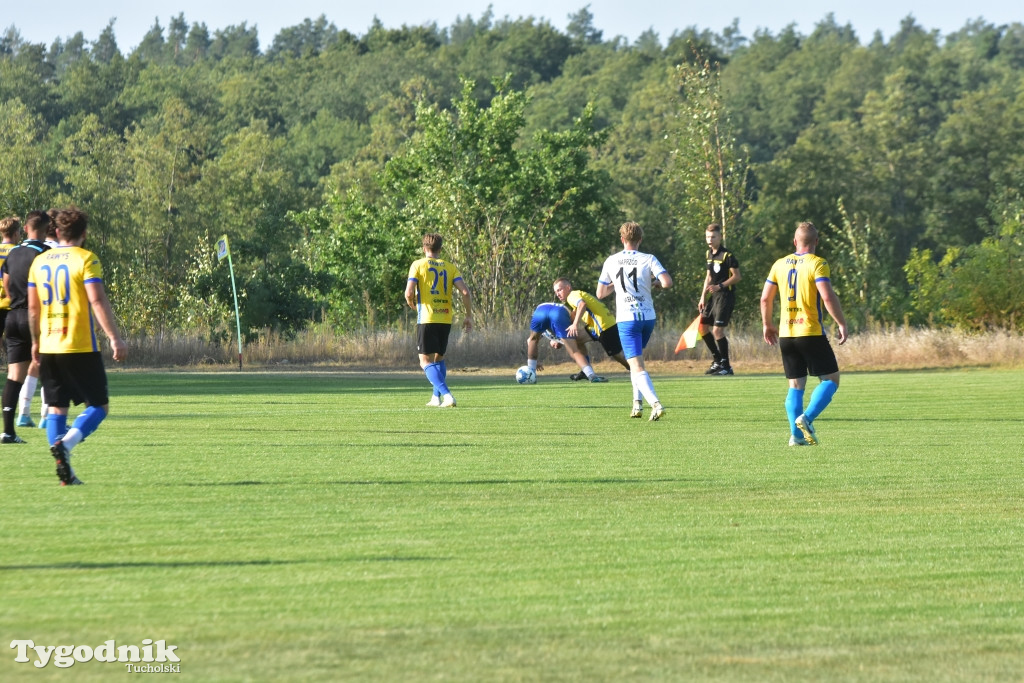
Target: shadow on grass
92 566
435 482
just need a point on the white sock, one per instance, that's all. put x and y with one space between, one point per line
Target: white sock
45 407
532 364
72 438
588 371
28 390
642 383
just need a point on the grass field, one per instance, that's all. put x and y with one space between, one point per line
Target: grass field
330 527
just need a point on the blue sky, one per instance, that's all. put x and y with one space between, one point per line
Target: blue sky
41 22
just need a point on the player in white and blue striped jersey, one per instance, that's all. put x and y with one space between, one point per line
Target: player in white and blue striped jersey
632 274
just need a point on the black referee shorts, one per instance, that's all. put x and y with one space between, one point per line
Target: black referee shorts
19 336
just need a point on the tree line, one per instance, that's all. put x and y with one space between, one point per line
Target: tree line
325 157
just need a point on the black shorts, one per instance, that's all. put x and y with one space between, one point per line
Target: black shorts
802 356
610 340
432 338
19 336
73 378
718 311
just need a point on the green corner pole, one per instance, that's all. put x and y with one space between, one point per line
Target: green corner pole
224 250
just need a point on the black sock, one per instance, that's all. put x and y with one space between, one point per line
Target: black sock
709 339
12 390
723 348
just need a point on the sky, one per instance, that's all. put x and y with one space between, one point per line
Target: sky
42 22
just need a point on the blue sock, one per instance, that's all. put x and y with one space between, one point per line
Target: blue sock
794 406
444 371
820 398
89 420
435 377
56 427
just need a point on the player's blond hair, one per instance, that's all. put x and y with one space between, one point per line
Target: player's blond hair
631 232
806 233
10 226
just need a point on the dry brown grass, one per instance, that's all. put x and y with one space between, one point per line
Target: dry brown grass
497 350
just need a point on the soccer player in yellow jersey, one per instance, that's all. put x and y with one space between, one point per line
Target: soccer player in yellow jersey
429 291
595 319
66 301
802 280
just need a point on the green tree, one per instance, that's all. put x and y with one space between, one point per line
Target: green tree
23 174
710 167
99 177
864 268
708 171
513 217
978 287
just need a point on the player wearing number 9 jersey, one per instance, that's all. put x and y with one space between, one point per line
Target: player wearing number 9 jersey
631 274
802 280
66 301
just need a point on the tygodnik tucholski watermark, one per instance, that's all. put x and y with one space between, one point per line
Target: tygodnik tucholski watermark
152 656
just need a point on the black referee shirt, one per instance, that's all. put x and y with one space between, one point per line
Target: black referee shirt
17 266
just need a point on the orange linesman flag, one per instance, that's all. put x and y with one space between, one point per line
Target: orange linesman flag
691 335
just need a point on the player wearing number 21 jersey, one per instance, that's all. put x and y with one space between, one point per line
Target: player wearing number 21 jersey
430 292
630 274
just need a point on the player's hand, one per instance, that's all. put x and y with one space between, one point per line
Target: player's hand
555 344
700 305
572 331
118 348
843 336
467 324
771 335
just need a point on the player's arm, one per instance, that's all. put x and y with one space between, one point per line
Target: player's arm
105 317
734 277
581 308
467 302
552 339
704 290
664 280
770 331
603 290
831 301
410 293
34 308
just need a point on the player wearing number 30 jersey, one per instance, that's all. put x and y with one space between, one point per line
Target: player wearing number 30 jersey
630 274
59 277
66 303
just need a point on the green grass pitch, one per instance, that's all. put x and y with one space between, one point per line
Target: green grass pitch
331 527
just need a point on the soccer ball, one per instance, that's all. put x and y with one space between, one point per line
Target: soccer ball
525 375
